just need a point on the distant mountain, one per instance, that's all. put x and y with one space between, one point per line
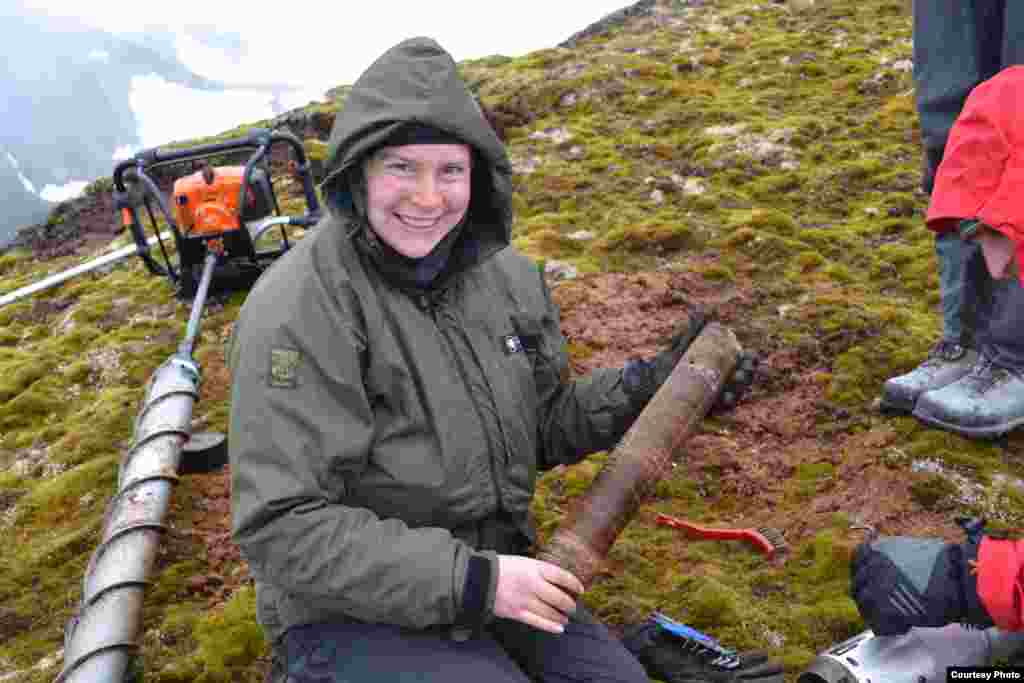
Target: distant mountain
65 90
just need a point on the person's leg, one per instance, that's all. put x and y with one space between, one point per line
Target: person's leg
1013 34
947 66
949 61
585 653
961 285
989 401
349 652
1002 338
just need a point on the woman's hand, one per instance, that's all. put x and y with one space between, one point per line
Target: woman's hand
539 594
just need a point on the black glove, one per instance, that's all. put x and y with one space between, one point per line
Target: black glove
900 582
675 653
643 378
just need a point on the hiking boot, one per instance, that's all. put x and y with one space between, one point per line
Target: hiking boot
673 658
946 363
985 403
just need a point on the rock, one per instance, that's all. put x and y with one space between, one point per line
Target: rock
575 153
693 187
525 166
567 100
555 135
581 236
658 197
872 211
769 149
775 639
906 65
725 131
559 270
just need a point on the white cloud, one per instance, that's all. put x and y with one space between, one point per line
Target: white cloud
125 152
312 52
59 193
335 42
195 113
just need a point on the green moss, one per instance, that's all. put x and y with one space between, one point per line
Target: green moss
231 639
812 478
711 605
647 235
718 272
825 560
18 375
932 491
29 408
65 490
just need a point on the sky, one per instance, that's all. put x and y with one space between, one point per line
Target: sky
311 46
318 45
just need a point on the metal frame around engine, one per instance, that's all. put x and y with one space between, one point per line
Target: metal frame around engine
239 257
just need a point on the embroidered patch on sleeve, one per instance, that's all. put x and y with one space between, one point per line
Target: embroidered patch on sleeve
284 366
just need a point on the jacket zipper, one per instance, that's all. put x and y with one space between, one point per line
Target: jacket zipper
430 305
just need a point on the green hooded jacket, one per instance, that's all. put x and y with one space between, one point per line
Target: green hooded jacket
382 436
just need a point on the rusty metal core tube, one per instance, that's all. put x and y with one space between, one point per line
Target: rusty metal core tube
645 455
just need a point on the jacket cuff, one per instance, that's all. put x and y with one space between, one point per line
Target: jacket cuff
476 606
999 565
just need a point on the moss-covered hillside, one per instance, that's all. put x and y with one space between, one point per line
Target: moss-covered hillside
758 157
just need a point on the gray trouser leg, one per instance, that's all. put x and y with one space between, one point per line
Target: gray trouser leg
1013 34
382 653
954 50
948 63
505 652
586 653
1002 336
961 286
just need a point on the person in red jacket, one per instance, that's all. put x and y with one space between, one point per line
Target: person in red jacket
900 582
979 195
957 46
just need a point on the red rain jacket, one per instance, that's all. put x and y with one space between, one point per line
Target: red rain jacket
1001 581
982 171
982 176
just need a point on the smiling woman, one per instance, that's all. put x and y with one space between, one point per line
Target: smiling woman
381 495
418 194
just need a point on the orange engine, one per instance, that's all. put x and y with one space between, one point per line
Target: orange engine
206 202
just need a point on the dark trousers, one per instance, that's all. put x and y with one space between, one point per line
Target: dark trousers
1000 332
957 45
507 652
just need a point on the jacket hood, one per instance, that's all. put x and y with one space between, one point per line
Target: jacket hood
417 81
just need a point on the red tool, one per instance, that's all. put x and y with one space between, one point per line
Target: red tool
766 539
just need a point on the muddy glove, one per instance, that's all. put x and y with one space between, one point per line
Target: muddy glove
643 378
675 653
900 582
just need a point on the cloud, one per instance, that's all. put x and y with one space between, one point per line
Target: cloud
335 42
60 193
195 113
